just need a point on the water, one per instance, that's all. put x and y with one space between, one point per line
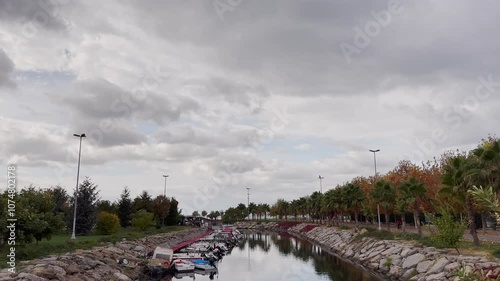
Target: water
274 257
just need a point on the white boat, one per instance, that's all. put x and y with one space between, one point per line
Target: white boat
161 257
181 265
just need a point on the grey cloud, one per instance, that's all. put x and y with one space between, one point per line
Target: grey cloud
6 69
43 13
100 99
225 137
295 45
232 92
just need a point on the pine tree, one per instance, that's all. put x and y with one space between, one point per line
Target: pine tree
125 207
86 207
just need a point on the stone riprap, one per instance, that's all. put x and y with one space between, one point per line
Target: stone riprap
99 263
394 259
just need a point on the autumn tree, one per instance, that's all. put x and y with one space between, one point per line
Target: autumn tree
161 208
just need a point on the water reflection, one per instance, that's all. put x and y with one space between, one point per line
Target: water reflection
271 256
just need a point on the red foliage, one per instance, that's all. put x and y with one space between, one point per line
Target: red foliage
287 225
308 227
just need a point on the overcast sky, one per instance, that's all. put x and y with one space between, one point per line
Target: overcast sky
227 94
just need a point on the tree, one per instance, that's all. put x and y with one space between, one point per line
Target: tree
204 213
384 194
266 209
35 211
161 208
212 215
125 207
410 192
456 178
315 202
252 209
107 206
143 219
242 211
488 154
354 197
61 199
107 223
195 214
486 201
143 202
448 233
173 216
86 207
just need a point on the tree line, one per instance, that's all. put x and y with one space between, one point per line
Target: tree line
462 183
41 213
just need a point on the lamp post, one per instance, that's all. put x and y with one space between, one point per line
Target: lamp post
321 191
248 201
165 188
321 184
73 235
375 180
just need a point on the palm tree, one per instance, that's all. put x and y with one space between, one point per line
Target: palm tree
486 201
383 193
266 209
315 204
354 197
410 193
456 173
488 154
252 208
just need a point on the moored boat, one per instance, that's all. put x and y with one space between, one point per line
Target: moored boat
182 265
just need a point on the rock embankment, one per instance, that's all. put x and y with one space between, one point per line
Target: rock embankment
100 263
395 259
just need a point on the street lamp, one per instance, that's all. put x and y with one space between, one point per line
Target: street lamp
375 180
248 202
73 236
165 188
321 183
321 191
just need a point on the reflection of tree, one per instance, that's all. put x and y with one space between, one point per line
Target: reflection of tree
323 263
302 250
258 240
283 244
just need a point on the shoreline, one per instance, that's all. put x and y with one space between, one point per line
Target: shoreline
388 259
99 263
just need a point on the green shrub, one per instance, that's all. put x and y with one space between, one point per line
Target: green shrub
142 219
107 223
448 232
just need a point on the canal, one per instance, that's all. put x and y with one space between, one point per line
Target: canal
271 256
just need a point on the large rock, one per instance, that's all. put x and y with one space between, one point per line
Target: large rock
413 260
438 266
435 277
424 266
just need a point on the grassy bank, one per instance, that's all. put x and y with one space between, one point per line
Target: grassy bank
487 248
62 243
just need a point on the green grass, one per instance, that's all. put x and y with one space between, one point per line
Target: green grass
487 248
62 243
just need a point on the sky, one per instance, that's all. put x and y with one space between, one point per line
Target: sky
226 95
